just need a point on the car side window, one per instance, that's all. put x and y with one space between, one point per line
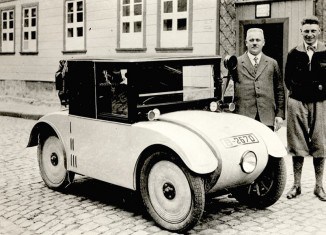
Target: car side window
111 95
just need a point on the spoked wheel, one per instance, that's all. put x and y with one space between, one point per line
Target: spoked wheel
173 196
52 163
267 188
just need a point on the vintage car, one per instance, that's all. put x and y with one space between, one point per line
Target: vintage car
158 126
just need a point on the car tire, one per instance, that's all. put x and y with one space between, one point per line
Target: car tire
173 196
267 188
53 164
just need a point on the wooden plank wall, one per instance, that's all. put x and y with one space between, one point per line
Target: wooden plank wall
294 10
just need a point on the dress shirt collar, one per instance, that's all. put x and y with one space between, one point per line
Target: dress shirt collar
314 45
251 57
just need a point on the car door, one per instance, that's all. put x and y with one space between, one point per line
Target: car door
103 150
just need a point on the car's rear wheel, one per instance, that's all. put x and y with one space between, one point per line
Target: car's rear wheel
173 196
52 163
267 188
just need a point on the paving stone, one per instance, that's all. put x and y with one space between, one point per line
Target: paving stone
28 207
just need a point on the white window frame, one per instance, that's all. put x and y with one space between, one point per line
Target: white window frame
72 27
175 37
29 35
131 40
8 30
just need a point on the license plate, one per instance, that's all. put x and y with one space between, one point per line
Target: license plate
237 140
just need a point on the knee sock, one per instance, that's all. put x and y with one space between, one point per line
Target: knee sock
319 170
297 169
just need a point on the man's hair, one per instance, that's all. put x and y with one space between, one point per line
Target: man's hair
255 30
310 20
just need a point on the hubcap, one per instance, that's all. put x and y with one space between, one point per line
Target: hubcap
54 159
169 191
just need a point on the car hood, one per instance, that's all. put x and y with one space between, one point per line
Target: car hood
213 126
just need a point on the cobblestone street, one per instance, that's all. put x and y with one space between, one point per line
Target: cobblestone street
88 206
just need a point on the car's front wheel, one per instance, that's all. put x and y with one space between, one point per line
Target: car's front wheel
52 163
267 188
173 196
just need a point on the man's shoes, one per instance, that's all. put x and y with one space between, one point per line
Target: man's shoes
294 192
320 193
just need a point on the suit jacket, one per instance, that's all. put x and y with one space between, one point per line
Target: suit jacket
259 93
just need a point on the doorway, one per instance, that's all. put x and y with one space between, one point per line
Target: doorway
276 37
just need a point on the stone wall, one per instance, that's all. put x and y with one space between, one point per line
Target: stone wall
320 11
32 92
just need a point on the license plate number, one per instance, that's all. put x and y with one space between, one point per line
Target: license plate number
234 141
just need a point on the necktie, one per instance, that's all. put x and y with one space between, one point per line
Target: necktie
310 51
312 48
256 64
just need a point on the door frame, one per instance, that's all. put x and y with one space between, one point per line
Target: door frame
241 37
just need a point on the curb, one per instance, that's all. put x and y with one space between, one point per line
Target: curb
21 115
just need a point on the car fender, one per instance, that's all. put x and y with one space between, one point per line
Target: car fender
274 145
57 122
194 151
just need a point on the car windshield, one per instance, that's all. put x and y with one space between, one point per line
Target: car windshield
169 84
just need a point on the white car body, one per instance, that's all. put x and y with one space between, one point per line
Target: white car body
109 151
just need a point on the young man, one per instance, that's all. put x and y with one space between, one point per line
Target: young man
305 78
258 84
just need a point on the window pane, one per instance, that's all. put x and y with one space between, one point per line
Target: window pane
79 6
126 2
4 25
167 25
11 15
70 7
11 36
4 15
126 11
26 24
136 1
137 26
182 24
126 27
70 18
33 12
80 17
33 35
26 11
70 32
168 7
33 22
182 5
138 9
80 32
11 24
4 37
25 35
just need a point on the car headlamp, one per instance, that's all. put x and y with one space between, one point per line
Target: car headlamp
213 106
153 114
248 162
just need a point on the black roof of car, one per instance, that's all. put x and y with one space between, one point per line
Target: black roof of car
147 59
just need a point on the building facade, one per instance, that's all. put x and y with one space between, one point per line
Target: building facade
36 34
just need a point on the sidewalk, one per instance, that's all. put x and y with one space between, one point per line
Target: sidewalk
25 110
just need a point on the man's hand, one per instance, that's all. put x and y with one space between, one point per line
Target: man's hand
278 123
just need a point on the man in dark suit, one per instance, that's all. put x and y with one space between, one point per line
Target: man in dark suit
258 84
305 78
